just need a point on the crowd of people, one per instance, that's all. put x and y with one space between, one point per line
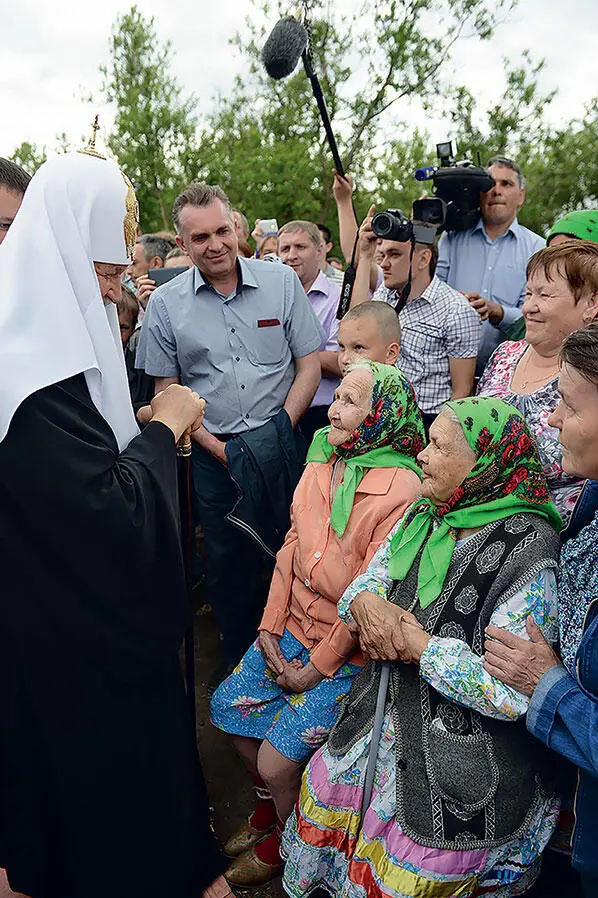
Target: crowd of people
398 513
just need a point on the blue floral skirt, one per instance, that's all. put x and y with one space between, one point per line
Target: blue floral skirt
250 703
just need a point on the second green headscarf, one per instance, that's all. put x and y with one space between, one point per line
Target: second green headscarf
582 224
506 479
391 436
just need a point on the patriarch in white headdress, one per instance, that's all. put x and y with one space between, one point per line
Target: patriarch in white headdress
79 210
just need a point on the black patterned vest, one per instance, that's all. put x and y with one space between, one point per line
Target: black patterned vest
464 781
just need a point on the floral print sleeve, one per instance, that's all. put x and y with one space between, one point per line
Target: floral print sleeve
452 668
375 579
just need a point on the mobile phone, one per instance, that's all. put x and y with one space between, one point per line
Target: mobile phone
269 226
163 275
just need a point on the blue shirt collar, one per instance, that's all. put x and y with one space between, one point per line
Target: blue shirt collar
246 277
514 228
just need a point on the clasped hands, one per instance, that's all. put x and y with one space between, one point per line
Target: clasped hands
291 676
179 408
385 631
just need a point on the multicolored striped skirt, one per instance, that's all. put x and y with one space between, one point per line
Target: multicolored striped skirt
326 847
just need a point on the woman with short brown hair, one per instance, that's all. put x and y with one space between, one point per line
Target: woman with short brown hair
561 297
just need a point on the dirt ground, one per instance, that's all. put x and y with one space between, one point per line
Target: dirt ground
229 786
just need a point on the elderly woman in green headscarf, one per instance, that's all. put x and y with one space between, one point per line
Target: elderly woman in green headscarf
281 701
429 784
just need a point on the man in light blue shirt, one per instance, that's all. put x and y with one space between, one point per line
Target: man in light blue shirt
488 262
300 246
242 334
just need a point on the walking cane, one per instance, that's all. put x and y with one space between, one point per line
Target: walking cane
376 733
184 453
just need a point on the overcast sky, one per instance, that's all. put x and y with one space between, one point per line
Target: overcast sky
51 52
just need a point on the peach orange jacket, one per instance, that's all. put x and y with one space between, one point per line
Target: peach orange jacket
315 566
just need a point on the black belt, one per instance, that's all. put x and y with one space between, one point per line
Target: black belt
224 437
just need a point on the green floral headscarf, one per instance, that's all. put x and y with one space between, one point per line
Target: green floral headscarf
391 436
506 479
582 224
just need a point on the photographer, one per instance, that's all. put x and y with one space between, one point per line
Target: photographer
440 331
487 262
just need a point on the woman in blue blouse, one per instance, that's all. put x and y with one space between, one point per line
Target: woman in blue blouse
563 709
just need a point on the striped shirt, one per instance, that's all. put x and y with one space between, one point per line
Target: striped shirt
436 326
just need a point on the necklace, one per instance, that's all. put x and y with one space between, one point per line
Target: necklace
542 379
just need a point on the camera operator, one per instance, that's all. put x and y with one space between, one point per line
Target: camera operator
440 331
488 262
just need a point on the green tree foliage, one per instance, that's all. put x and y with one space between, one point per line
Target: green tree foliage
154 135
269 147
264 142
560 164
563 171
29 156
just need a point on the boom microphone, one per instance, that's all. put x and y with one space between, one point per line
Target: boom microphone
282 51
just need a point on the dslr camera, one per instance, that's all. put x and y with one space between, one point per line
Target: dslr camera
455 205
393 225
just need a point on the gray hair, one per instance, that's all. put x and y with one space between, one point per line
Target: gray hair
199 195
452 416
154 245
508 163
311 229
13 177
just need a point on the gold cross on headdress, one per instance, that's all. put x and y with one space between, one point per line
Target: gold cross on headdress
95 128
90 149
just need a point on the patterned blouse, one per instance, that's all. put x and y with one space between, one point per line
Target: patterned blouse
578 587
535 408
448 664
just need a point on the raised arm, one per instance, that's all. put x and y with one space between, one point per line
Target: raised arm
342 190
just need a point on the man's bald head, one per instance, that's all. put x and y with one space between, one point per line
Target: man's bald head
384 315
371 331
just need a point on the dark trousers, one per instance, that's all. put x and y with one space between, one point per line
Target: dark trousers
314 418
235 584
558 879
589 886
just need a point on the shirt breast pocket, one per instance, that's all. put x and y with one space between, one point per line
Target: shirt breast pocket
267 345
425 341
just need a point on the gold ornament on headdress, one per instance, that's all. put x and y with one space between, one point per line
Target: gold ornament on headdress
131 218
90 149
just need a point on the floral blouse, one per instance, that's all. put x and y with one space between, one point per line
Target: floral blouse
578 587
448 664
535 408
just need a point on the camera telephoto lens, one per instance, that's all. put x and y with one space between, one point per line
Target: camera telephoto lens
382 224
392 225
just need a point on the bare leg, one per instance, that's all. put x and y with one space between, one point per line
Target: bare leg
248 749
218 889
282 776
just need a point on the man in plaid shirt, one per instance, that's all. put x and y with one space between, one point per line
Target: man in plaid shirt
440 331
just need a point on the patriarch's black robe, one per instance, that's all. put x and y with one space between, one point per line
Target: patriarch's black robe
101 793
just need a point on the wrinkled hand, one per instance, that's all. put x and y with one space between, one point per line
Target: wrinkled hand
269 644
297 678
144 415
486 309
517 662
179 408
145 287
367 238
342 187
382 636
